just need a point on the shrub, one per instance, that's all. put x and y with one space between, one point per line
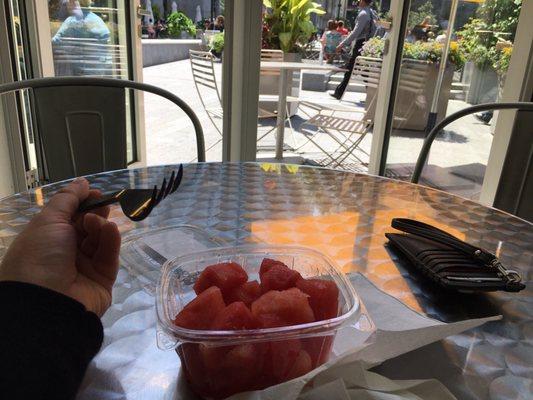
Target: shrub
178 22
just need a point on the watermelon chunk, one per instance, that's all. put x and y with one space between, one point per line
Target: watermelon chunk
225 276
234 317
200 312
318 348
277 276
301 366
280 358
323 297
247 293
193 367
282 308
268 263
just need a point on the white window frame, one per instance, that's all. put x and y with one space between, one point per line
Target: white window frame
240 72
518 87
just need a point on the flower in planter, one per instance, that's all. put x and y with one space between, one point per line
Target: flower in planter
425 51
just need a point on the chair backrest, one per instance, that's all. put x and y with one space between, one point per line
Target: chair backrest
271 55
428 141
367 69
86 56
81 123
203 72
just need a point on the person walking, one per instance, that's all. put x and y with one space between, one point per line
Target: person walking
364 29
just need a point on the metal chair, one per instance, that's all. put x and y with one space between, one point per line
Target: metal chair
205 81
349 132
81 124
428 141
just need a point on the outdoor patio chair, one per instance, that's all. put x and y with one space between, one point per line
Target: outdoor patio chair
205 81
349 132
428 141
80 123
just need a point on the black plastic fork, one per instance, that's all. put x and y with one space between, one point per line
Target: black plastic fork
136 204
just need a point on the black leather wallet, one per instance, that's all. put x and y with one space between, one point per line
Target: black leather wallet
450 262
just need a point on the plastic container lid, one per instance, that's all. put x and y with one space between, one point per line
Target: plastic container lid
175 290
145 252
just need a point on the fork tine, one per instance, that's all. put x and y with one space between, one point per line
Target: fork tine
178 179
161 193
170 183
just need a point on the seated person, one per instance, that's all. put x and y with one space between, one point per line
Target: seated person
330 40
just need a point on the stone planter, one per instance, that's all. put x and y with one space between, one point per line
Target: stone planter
482 85
269 84
412 110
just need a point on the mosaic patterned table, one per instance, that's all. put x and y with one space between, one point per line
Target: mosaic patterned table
344 215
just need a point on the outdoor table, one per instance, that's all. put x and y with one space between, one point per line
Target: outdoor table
285 69
341 214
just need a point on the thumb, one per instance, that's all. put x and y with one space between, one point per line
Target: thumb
64 204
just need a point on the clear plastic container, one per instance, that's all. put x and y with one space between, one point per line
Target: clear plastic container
145 252
218 364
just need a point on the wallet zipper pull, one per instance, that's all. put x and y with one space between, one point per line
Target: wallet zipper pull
510 275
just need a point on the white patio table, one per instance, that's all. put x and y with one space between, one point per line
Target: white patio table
285 69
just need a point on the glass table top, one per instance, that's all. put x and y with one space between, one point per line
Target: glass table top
345 216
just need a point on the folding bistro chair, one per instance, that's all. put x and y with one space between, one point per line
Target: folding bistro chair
344 130
205 81
347 132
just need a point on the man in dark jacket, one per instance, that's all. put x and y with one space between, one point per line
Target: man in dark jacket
364 29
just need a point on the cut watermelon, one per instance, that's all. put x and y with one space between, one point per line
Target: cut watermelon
318 348
277 276
225 276
200 312
193 367
282 308
247 293
280 359
234 317
301 366
323 297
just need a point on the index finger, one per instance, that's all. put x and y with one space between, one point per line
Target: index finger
64 204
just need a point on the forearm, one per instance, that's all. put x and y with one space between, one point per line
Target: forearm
46 342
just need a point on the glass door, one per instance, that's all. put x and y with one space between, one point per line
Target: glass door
92 38
455 54
72 38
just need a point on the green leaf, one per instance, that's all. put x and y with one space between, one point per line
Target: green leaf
299 5
285 41
267 3
317 11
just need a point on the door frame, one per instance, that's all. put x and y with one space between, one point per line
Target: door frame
11 123
388 83
518 87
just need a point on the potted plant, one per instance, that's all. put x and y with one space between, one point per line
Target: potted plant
287 26
495 22
180 26
217 45
419 52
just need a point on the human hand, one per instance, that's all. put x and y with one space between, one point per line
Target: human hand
339 48
71 253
